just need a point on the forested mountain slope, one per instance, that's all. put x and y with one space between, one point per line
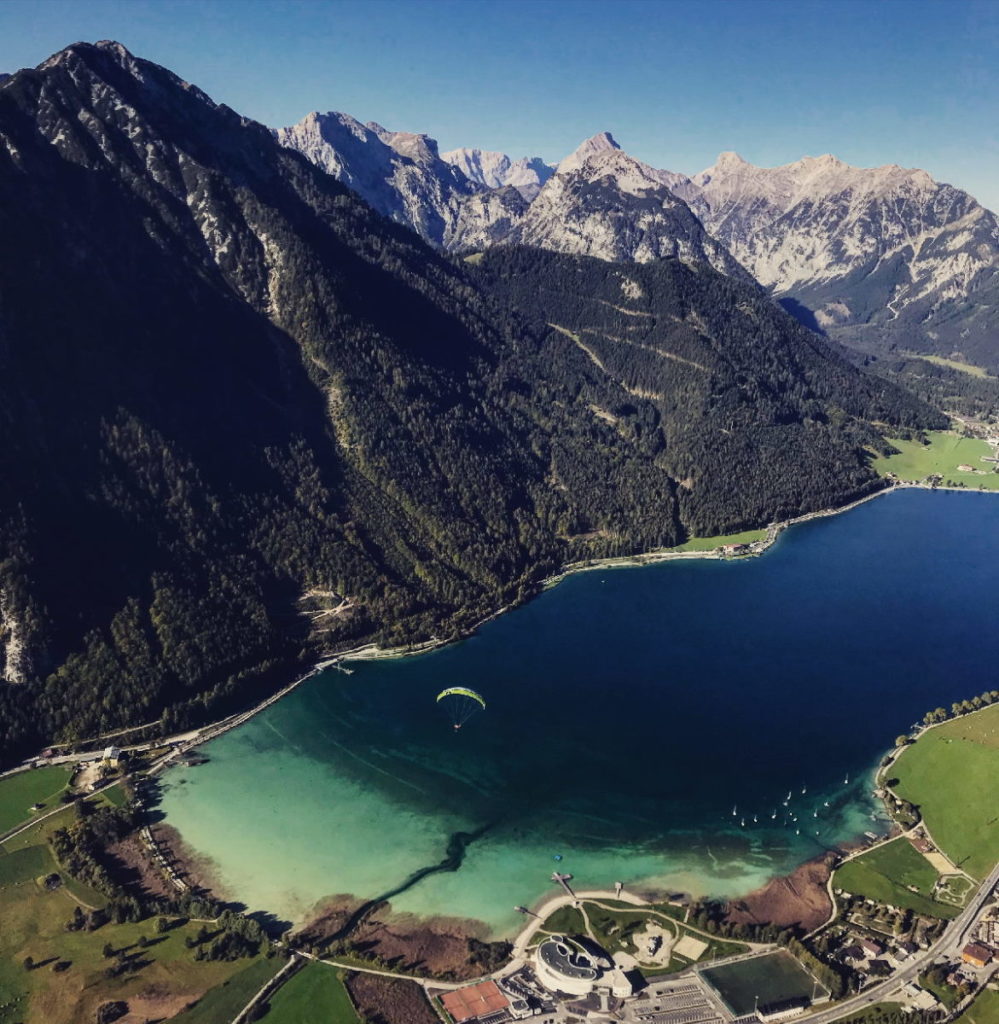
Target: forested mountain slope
754 416
245 419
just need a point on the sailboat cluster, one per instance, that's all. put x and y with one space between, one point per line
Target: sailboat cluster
790 817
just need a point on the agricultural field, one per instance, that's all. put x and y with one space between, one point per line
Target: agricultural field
315 995
885 873
66 982
951 773
19 792
941 457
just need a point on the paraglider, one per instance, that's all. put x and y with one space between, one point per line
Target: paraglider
461 703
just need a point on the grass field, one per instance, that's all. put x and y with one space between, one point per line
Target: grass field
984 1010
710 543
873 1014
953 364
952 774
954 889
945 452
565 920
34 924
884 874
25 865
18 793
223 1002
316 995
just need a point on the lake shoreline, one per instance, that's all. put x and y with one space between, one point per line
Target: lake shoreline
372 652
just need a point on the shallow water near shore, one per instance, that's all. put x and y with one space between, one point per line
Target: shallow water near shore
629 712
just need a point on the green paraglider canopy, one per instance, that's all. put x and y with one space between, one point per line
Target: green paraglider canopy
461 703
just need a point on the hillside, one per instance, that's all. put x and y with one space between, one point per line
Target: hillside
752 415
245 419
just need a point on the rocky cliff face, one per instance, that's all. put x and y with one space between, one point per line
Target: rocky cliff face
598 202
400 174
607 204
497 170
886 249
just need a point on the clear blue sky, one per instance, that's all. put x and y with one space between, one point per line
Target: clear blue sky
872 81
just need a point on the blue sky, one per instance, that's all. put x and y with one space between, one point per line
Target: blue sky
872 81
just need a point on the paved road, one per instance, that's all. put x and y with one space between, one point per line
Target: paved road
949 945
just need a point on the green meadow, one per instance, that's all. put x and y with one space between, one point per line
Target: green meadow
941 457
19 792
315 995
951 773
885 873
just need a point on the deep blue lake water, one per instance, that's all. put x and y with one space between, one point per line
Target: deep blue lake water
629 711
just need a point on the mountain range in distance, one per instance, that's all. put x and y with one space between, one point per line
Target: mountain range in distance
881 258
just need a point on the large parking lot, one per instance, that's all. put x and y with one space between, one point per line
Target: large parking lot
676 1003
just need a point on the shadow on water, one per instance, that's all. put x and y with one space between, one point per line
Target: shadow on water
452 861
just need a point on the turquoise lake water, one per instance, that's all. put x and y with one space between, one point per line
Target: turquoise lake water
629 711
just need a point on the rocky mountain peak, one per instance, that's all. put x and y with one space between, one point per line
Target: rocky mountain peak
599 143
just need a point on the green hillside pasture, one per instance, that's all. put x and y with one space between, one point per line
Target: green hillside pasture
19 792
941 457
316 995
884 874
34 924
951 773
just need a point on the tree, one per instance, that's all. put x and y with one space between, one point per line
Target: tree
28 963
162 925
109 1012
901 740
108 951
